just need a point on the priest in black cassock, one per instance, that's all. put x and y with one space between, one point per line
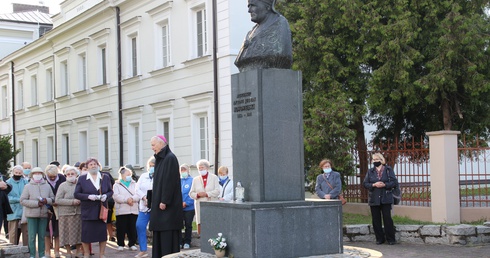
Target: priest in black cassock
166 213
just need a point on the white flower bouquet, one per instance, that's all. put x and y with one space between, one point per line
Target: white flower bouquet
218 243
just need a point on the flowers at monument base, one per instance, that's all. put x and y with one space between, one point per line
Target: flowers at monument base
218 243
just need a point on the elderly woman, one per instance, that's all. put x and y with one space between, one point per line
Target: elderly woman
93 189
69 213
18 182
328 183
54 179
205 187
126 199
145 183
226 185
187 204
379 180
36 197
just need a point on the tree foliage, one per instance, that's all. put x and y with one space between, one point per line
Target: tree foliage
7 153
416 65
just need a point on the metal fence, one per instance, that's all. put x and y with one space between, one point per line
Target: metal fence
410 161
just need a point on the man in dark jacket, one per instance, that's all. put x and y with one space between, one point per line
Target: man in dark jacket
166 202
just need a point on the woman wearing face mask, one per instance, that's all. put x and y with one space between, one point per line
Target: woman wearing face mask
379 180
35 196
187 205
328 184
226 185
70 229
127 209
93 189
205 187
18 182
145 183
54 179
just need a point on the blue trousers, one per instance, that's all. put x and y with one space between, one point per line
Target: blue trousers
36 226
141 224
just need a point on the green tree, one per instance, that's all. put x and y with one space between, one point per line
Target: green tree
330 48
7 153
432 68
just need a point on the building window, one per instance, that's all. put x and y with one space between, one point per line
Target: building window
20 95
134 56
165 46
64 78
49 85
201 32
82 72
35 153
166 129
50 149
104 147
65 149
103 65
22 156
203 137
34 98
4 102
82 146
134 142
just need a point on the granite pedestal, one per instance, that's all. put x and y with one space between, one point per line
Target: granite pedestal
275 220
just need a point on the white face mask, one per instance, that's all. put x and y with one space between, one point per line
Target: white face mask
71 179
37 177
203 172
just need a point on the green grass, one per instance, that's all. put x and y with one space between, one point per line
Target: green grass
351 219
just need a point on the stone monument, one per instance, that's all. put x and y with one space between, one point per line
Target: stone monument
275 220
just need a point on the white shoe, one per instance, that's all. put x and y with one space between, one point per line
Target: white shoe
134 248
120 248
187 246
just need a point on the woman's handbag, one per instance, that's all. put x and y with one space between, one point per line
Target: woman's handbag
104 211
341 197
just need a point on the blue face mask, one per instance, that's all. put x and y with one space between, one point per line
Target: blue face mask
223 177
27 172
327 170
128 178
184 175
152 170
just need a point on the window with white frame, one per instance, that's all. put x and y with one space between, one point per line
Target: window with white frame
35 153
50 149
201 31
34 91
49 84
104 146
134 55
164 128
165 43
4 102
65 148
82 145
134 144
102 52
64 78
20 95
82 71
22 156
200 136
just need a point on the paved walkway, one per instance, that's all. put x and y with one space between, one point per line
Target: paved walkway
351 249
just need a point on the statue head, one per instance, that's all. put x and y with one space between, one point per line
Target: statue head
260 9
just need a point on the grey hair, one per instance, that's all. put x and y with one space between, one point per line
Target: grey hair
203 162
17 167
69 168
51 170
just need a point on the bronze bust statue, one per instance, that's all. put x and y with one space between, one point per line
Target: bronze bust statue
268 44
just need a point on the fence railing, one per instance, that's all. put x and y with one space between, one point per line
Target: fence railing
410 161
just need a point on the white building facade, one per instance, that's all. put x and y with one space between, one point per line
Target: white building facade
112 74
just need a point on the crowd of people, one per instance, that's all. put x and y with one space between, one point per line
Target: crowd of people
63 206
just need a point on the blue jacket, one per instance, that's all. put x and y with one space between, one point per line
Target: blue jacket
14 198
322 188
186 184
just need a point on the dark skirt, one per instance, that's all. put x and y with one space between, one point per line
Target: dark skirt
94 231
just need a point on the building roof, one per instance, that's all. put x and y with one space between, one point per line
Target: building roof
27 17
